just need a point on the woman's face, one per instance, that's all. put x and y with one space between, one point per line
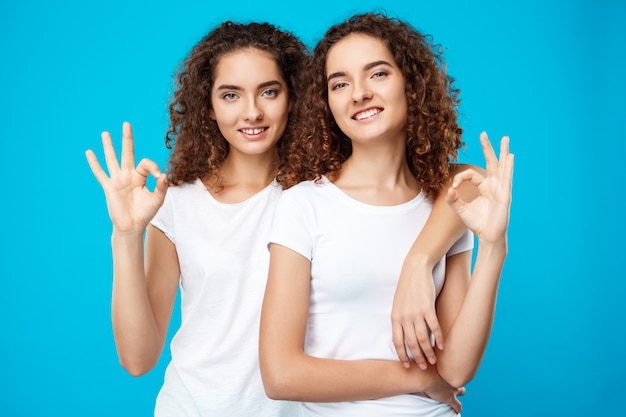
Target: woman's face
250 101
366 90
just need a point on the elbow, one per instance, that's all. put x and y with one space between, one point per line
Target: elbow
135 371
136 367
275 390
277 381
456 378
276 385
457 381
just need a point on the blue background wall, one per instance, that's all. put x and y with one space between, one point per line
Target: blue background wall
549 74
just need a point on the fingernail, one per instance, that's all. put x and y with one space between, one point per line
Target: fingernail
423 366
406 365
432 360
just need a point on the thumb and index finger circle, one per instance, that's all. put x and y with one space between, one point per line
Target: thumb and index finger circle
147 167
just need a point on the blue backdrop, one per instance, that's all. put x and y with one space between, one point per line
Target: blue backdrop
548 73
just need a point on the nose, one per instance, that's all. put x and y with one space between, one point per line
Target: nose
360 92
252 112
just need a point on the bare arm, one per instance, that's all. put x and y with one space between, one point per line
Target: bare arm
290 374
143 296
467 307
413 313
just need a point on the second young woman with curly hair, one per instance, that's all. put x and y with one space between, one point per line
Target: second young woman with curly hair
230 121
376 149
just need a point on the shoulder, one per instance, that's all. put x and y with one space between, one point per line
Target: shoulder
307 188
186 187
305 196
187 194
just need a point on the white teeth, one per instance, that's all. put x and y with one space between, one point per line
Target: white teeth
254 131
366 114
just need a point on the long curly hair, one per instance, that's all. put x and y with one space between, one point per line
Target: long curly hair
198 147
433 134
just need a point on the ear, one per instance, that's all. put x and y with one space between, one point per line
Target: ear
212 114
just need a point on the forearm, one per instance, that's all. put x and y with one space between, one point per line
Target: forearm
289 373
468 336
135 330
443 228
305 378
413 317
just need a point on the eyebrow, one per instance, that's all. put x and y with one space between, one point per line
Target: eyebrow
237 88
365 68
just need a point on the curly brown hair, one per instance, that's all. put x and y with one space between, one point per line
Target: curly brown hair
433 134
198 147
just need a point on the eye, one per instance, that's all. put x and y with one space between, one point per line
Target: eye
270 93
338 86
229 96
379 74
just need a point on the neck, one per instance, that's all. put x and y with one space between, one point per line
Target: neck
382 163
251 169
378 175
242 176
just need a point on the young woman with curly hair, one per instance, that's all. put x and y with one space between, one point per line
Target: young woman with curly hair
376 148
207 232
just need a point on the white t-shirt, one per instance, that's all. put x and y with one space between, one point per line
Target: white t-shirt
222 251
356 252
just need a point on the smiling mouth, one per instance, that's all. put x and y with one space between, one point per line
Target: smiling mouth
255 131
367 114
